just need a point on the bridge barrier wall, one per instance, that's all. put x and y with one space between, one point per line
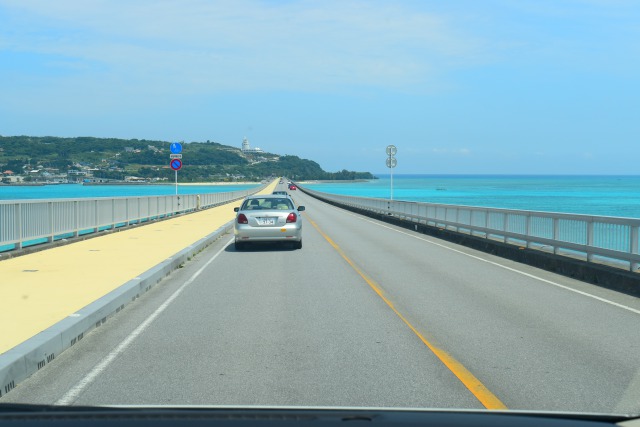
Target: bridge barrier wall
598 249
29 222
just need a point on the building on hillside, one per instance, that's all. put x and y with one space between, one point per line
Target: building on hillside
135 179
9 177
246 148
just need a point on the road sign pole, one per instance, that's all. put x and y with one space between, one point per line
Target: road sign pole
176 162
391 163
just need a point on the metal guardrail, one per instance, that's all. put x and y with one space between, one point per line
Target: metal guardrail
602 239
28 222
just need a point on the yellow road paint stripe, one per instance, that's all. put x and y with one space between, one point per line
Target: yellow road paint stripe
473 384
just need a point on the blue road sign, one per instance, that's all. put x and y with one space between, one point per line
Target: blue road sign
176 147
175 164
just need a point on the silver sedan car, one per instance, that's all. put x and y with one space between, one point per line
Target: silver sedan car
268 218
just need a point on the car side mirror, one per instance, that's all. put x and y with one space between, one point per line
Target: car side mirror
236 209
300 208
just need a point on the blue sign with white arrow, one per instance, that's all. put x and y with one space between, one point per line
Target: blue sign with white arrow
176 147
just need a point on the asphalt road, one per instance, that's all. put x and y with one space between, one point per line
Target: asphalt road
365 314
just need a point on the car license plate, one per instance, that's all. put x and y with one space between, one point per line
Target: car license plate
266 221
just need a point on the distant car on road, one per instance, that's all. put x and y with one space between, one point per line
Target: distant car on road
292 187
282 192
268 218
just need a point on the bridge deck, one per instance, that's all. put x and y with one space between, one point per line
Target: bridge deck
366 314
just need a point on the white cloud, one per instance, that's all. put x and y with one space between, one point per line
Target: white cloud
197 45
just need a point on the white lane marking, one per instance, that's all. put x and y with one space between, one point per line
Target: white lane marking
73 393
624 307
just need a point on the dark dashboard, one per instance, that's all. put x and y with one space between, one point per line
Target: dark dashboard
34 415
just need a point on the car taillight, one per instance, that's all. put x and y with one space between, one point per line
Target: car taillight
292 217
242 219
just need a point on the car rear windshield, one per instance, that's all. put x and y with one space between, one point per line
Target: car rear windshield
267 203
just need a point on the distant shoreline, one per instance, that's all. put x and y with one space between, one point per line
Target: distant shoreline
219 183
22 184
183 184
333 181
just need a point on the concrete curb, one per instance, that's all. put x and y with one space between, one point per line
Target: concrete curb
20 362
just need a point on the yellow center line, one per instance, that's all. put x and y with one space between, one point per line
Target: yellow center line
473 384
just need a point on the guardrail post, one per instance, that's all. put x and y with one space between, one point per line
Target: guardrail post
556 234
505 226
589 241
95 216
444 220
50 212
113 214
527 228
19 225
486 223
634 247
76 219
126 209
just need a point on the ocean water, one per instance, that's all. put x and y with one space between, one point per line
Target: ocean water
76 191
592 195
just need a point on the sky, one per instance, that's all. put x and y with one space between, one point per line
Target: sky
458 86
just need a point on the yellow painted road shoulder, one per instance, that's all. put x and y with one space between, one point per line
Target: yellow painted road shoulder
42 288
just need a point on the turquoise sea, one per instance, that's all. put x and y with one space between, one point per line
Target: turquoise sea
594 195
76 191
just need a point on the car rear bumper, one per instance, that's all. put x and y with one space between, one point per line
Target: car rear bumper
267 234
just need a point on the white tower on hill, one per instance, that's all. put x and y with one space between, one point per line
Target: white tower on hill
246 148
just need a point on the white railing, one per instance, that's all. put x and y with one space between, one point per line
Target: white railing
606 240
28 222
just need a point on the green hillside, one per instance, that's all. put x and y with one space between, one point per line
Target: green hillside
82 158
